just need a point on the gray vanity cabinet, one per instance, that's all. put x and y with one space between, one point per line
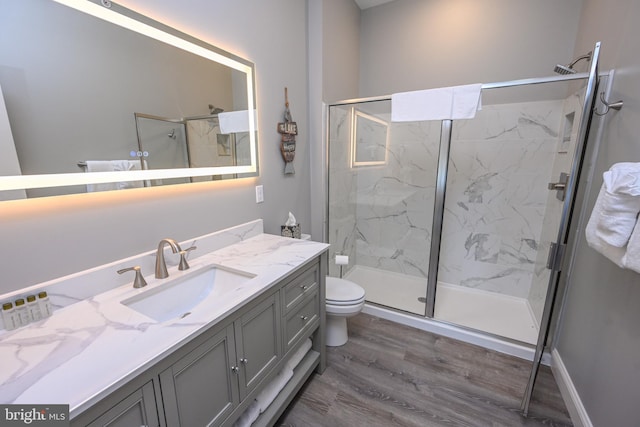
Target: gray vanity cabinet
137 409
258 343
204 386
201 388
212 378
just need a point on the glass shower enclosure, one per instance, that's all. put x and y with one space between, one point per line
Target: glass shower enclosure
500 213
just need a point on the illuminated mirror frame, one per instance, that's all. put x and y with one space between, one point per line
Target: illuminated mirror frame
359 116
123 17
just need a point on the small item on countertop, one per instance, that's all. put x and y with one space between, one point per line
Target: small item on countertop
291 228
45 305
22 312
9 317
33 307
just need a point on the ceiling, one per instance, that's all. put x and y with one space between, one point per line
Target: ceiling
365 4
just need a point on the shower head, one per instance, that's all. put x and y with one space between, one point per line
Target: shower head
568 69
215 110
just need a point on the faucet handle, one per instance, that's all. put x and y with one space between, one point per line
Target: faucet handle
183 258
139 281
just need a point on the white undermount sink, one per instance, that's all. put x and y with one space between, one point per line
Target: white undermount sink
176 297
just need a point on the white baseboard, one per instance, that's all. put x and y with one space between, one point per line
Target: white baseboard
570 395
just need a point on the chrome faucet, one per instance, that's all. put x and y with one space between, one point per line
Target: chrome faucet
161 265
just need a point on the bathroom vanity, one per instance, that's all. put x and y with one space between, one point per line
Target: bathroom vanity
116 366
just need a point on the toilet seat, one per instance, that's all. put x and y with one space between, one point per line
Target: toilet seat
343 292
343 299
344 303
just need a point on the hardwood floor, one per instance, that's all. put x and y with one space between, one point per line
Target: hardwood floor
395 375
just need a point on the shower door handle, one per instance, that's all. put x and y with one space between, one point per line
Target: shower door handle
555 257
560 186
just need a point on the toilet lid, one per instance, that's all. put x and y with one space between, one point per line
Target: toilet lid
341 291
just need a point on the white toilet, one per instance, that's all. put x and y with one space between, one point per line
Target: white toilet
344 299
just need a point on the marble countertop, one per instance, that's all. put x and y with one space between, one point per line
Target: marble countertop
88 349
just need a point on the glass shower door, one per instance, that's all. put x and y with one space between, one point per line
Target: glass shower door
500 216
382 179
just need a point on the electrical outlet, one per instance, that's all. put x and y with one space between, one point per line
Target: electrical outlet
259 194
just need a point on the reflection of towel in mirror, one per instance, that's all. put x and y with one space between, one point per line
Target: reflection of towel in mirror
112 166
128 165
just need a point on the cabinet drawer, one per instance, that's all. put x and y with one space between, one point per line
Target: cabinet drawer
300 320
299 288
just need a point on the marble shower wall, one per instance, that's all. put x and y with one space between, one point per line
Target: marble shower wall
381 215
394 202
493 237
342 188
500 164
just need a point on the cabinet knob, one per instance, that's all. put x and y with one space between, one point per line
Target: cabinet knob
304 287
243 360
305 318
234 369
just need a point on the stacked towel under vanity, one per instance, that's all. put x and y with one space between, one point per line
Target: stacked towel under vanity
271 390
613 228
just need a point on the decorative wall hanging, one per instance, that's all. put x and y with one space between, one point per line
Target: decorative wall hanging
288 129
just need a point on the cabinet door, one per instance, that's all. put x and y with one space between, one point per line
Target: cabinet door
258 343
137 409
201 389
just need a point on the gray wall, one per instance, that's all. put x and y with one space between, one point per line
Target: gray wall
51 237
416 44
598 340
334 45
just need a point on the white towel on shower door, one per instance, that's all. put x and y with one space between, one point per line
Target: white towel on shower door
454 102
430 104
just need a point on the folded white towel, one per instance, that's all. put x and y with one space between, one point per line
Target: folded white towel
430 104
620 203
455 102
466 101
248 416
297 357
594 240
270 392
100 166
113 166
236 121
631 258
128 165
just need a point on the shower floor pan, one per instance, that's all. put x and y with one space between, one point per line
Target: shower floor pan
502 315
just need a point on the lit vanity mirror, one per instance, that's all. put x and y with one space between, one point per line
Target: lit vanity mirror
97 97
369 139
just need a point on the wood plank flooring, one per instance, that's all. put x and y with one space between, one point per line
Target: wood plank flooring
394 375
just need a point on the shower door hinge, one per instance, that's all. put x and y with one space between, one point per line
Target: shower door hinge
556 254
